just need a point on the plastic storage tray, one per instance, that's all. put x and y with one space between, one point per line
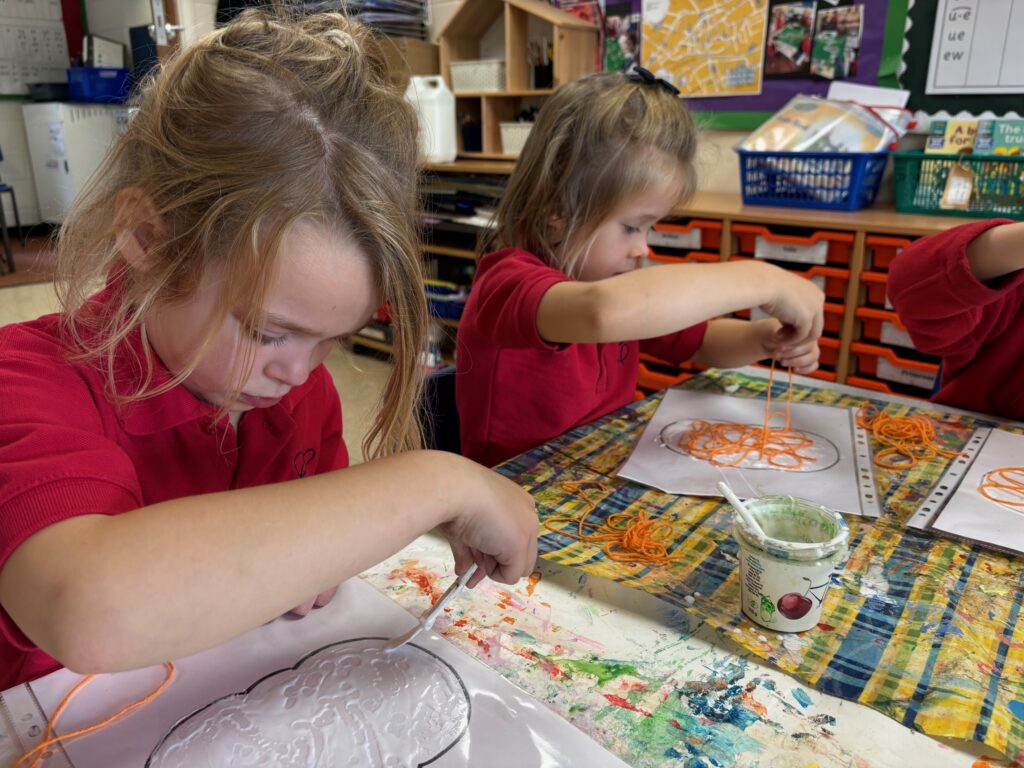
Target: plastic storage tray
997 187
829 180
819 247
98 84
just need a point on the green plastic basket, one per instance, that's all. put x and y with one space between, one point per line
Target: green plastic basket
921 180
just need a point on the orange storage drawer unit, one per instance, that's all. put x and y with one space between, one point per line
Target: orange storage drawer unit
882 250
876 287
883 325
818 247
884 364
695 235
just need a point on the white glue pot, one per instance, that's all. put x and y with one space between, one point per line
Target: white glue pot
435 109
784 577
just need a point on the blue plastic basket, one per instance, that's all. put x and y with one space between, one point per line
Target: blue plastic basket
834 181
98 84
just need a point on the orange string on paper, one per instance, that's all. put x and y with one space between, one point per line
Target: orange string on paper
36 753
729 445
1004 486
629 537
908 439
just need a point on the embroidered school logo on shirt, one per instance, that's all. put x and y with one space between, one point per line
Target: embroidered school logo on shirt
302 461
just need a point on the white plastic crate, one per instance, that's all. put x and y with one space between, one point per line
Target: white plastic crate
513 137
478 75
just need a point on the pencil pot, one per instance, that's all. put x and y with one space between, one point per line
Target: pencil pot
838 181
784 576
997 186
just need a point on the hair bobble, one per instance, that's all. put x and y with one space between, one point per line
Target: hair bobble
342 39
640 75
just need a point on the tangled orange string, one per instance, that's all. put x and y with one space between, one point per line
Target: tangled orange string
37 752
729 445
908 439
1004 486
629 537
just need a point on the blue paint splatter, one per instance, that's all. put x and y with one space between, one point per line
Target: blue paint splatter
1017 708
801 696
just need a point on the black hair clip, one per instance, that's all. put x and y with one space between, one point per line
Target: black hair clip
641 75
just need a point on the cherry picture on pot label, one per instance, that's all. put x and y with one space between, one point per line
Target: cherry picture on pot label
794 606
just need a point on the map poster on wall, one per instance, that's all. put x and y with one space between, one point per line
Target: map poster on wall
706 48
974 48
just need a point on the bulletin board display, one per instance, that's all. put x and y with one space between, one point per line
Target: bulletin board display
33 45
964 56
738 61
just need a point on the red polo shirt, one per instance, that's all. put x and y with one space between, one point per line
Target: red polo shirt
977 328
514 389
66 450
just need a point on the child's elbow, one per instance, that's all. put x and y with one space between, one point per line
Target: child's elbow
87 636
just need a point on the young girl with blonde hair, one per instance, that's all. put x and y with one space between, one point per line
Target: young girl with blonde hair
168 445
559 311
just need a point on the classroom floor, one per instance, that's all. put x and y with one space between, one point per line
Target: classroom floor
360 380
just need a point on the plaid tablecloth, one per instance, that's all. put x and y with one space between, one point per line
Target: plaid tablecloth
925 629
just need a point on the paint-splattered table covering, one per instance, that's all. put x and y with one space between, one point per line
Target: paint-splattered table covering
926 630
650 683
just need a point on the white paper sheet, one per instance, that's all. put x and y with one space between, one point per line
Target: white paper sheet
841 478
970 515
506 727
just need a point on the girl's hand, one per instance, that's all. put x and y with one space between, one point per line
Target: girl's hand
496 527
316 602
798 305
779 343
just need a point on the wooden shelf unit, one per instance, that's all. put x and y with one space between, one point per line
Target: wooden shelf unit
574 54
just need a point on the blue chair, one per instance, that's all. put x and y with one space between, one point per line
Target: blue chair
439 418
8 252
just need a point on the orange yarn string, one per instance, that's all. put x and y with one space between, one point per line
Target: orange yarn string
47 741
908 439
1004 486
629 537
729 445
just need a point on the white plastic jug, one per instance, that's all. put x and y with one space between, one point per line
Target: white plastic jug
435 108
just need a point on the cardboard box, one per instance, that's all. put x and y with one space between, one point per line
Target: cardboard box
408 56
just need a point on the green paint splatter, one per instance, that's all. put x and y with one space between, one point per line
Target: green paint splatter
602 670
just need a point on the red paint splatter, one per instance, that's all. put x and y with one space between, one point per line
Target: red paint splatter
509 620
545 664
531 583
424 579
1010 643
618 701
826 627
675 724
482 643
461 623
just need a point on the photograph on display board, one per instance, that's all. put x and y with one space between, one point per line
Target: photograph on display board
836 47
790 32
621 35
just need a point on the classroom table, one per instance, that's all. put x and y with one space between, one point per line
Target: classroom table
919 633
923 632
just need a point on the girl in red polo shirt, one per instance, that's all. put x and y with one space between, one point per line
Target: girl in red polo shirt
168 445
961 295
558 314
